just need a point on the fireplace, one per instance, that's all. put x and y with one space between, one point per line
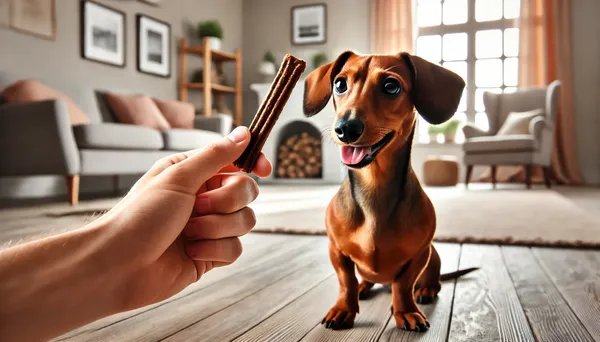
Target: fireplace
299 151
327 168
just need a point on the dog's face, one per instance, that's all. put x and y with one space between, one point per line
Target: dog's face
375 99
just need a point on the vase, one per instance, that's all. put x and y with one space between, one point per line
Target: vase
449 138
214 43
267 70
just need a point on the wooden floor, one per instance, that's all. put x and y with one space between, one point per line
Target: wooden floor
282 286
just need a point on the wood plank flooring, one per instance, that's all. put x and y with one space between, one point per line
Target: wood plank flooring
282 286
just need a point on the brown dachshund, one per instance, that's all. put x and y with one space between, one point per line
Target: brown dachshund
381 220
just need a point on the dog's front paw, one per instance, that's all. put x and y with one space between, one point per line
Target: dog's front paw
425 295
411 321
339 318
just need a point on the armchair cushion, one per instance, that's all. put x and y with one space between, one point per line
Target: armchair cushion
188 139
117 136
497 144
519 122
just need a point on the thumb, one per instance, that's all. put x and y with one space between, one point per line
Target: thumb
204 163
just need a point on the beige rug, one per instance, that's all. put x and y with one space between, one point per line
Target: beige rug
536 217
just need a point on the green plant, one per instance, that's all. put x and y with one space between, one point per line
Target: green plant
447 128
269 57
319 59
452 127
210 28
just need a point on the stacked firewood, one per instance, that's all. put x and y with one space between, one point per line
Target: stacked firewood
299 156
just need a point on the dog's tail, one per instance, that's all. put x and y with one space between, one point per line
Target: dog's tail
456 274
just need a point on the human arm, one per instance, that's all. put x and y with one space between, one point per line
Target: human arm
180 220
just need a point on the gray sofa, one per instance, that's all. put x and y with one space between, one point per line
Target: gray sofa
38 139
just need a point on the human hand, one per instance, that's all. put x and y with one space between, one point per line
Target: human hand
180 220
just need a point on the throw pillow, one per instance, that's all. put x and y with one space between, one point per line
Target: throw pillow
25 91
518 122
137 110
178 114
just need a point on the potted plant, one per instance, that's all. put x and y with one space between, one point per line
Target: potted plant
211 30
267 67
319 59
448 129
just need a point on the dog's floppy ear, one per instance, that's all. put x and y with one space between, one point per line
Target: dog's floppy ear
319 84
436 91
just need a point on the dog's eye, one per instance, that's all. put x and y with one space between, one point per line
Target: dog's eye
391 86
340 86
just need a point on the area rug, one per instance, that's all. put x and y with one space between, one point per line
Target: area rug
536 217
508 217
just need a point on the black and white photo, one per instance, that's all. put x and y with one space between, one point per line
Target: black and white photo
103 34
309 24
154 46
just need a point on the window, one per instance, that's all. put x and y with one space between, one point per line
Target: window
478 40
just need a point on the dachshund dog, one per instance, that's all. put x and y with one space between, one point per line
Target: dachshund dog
380 220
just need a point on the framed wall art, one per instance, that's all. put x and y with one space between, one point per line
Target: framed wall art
35 17
309 24
102 34
5 13
153 46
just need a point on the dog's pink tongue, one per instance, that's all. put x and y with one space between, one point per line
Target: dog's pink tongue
353 155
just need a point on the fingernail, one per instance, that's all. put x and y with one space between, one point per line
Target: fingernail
237 135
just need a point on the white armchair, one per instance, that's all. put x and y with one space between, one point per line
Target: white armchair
531 149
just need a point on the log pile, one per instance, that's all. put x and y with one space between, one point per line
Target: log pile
299 156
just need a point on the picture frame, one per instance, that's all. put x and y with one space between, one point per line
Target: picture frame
33 17
103 34
153 46
309 24
5 13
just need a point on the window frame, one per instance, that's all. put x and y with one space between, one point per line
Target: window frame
470 27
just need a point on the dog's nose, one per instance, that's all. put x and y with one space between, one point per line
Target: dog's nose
349 131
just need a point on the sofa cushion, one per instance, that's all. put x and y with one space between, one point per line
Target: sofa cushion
188 139
179 114
117 136
25 91
506 143
137 110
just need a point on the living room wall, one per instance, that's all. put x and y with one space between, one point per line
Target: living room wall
586 82
60 59
267 26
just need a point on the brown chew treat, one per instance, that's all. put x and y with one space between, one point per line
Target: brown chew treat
288 75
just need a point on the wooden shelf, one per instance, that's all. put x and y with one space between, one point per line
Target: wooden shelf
211 59
217 56
215 87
